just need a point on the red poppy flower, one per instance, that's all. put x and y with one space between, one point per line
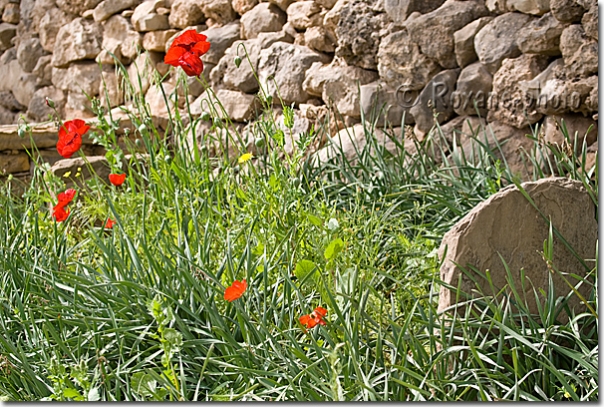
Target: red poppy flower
109 224
117 179
59 213
186 51
66 197
235 291
314 318
70 137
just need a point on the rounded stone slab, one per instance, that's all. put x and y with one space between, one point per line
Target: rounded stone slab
507 225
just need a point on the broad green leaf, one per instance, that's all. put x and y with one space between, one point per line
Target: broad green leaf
334 248
303 269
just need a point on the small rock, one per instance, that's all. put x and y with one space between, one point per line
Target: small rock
238 106
43 70
326 4
78 40
29 52
121 40
76 7
435 98
463 38
221 38
283 67
359 31
220 11
304 14
49 26
282 4
590 22
399 10
497 40
73 166
7 33
535 7
107 8
265 17
473 87
240 78
434 32
79 77
383 106
541 36
508 225
185 13
506 103
78 106
25 87
156 40
39 111
11 13
338 85
320 39
567 11
110 92
401 63
145 18
243 6
580 52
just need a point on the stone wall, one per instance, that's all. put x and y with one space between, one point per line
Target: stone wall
511 63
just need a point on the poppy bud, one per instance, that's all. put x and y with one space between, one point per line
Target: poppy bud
205 116
237 61
49 102
259 142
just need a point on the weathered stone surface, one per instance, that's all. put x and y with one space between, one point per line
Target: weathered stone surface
286 65
121 40
582 94
463 38
80 39
338 85
7 32
221 38
143 67
7 117
24 88
497 40
359 31
11 13
43 71
156 40
11 71
185 13
107 8
226 72
238 106
145 17
78 106
352 139
507 103
541 36
243 6
76 165
29 52
43 136
326 4
332 18
320 39
399 10
585 129
473 87
49 26
380 104
507 225
580 52
567 11
435 97
282 4
548 90
12 163
79 77
265 17
38 110
536 7
77 7
590 22
304 14
219 11
433 32
110 92
8 100
402 64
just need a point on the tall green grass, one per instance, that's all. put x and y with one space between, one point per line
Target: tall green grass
137 313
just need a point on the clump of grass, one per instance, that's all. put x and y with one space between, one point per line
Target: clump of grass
137 313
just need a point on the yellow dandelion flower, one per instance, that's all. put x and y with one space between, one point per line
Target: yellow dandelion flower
245 158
